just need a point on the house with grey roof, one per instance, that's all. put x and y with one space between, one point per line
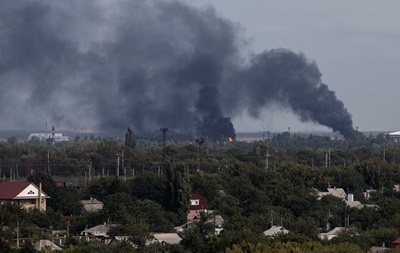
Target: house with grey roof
166 238
99 232
274 231
90 206
331 234
336 192
46 245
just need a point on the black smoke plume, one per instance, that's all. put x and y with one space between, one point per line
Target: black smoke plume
110 64
281 76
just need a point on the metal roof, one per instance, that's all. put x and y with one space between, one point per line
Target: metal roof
202 202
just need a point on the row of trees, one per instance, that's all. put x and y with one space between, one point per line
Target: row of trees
252 185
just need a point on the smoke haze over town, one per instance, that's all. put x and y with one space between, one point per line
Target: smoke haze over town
148 64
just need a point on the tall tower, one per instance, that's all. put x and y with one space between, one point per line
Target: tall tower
53 135
200 141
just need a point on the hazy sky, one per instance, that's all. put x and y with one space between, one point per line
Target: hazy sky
356 45
108 64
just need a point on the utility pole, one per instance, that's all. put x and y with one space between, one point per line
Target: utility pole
117 165
17 233
90 170
384 154
312 161
329 158
122 164
164 151
346 220
326 159
122 160
67 228
48 162
53 135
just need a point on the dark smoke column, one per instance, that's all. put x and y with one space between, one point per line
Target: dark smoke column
146 64
210 121
286 78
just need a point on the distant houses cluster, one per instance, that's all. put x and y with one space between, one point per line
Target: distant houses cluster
30 196
347 198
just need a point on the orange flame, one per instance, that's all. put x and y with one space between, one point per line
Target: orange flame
230 139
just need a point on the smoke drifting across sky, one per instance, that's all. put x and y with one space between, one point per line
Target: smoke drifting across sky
146 64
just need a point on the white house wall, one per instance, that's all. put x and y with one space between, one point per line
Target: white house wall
30 192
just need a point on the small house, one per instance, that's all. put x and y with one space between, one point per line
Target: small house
198 204
99 233
273 231
25 194
336 192
90 206
331 234
46 246
167 238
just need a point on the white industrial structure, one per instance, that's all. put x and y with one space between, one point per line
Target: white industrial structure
54 137
395 136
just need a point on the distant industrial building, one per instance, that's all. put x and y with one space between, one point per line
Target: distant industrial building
54 137
395 136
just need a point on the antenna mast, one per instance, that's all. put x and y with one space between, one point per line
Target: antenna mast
200 141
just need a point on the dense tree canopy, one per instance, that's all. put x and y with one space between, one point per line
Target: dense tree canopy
252 185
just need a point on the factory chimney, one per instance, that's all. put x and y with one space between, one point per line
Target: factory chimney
53 135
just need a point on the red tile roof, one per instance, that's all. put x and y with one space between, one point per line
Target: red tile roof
10 190
396 241
202 202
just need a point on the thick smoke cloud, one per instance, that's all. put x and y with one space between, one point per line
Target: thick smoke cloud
281 76
146 64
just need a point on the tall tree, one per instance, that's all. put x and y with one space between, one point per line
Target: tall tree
130 139
178 190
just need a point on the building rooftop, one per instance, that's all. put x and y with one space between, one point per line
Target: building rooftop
18 190
46 245
330 234
336 192
275 230
99 230
92 205
200 204
169 238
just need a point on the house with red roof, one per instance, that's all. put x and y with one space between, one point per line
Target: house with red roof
25 194
198 204
395 244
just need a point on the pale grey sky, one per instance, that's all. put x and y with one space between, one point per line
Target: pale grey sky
356 45
89 64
